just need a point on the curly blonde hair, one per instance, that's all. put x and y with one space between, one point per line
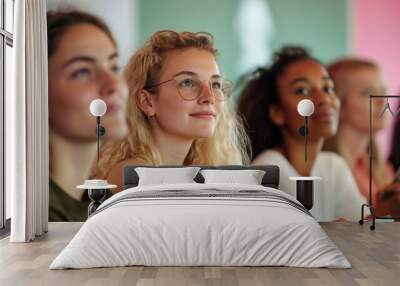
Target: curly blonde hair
229 143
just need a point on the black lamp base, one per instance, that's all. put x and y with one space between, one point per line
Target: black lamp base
305 190
305 193
97 197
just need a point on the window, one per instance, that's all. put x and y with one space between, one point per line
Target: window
6 44
9 16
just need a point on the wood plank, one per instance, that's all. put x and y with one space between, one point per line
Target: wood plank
375 257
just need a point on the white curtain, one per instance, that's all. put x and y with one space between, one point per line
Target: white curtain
27 124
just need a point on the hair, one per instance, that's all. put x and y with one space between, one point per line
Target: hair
58 22
341 72
394 156
260 93
226 146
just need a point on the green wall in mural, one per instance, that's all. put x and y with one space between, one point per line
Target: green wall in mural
318 24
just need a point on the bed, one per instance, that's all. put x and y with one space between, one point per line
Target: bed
201 224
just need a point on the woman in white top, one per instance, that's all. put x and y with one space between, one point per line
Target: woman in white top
268 105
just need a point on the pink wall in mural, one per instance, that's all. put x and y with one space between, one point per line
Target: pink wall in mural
376 35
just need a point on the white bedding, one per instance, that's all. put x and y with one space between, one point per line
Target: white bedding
189 230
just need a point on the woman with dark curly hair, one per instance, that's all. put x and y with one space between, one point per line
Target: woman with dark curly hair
268 105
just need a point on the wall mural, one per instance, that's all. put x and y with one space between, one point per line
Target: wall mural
215 83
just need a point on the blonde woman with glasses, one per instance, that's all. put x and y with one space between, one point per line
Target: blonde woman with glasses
177 108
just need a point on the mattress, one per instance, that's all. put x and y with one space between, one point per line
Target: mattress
201 225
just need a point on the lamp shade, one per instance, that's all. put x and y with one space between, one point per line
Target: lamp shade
98 107
305 107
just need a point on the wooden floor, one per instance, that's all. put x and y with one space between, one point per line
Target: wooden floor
374 255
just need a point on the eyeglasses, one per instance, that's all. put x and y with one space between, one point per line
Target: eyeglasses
190 87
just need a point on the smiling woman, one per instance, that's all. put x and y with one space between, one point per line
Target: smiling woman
269 107
83 65
177 109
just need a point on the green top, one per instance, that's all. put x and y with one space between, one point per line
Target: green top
62 207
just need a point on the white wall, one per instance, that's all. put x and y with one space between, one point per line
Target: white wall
120 15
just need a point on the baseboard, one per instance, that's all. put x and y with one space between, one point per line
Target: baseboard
5 231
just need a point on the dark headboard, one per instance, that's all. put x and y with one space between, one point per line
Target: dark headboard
270 179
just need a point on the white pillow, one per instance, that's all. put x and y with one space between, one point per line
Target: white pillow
162 176
248 177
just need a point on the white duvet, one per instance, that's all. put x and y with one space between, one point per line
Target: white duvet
206 230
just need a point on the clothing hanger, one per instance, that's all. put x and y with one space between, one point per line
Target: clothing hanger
387 107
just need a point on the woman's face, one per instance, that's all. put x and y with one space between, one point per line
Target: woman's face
355 104
85 67
180 117
307 79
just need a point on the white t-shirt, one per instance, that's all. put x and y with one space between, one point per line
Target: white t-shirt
335 196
